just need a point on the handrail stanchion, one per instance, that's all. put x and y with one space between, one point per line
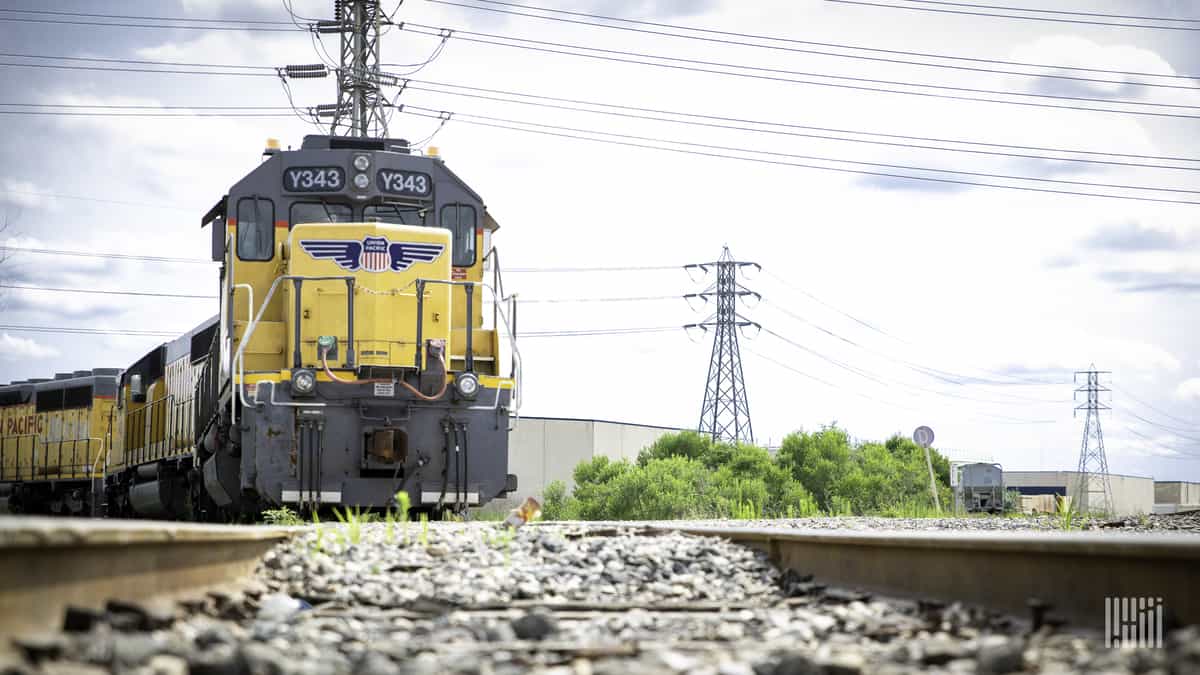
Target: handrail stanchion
350 322
469 362
420 322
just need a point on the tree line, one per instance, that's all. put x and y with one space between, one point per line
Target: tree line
688 475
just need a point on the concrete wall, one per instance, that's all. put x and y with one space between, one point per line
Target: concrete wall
1177 492
542 450
1131 494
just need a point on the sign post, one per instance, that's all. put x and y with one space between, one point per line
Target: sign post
924 437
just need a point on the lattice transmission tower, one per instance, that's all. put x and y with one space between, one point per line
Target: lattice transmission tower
725 414
1094 492
362 108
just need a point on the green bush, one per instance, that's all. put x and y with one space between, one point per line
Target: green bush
689 475
555 502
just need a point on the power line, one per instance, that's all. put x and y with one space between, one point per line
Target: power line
991 419
598 104
265 22
93 199
141 62
664 112
597 332
1172 430
99 254
114 69
1126 393
628 268
620 108
621 56
1052 11
164 115
542 130
67 330
770 153
105 106
122 24
1011 16
109 292
772 38
643 298
783 48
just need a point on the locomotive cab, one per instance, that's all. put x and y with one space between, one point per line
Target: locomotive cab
365 345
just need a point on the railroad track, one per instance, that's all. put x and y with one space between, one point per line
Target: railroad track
674 598
49 564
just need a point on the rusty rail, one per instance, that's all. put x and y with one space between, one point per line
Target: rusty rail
1071 572
48 564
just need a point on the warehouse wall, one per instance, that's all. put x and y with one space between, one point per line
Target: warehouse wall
542 450
1177 493
1131 494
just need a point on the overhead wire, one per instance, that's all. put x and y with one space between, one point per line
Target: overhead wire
103 254
267 22
776 74
1052 11
619 111
53 195
642 298
109 292
68 330
124 24
942 10
864 48
1127 394
114 69
424 85
550 130
737 43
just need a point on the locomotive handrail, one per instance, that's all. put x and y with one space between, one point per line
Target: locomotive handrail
235 366
238 363
512 338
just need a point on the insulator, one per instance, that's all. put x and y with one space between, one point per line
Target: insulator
306 71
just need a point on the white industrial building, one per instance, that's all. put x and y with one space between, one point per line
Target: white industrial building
1173 496
542 450
1131 495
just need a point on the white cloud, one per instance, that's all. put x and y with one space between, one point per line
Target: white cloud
20 193
19 348
1189 389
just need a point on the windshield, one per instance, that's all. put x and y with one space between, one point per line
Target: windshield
395 214
320 212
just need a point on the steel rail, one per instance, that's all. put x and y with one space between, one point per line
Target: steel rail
49 564
1068 574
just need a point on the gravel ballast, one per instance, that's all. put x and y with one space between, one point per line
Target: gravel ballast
566 599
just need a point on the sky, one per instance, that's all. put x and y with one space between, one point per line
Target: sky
887 303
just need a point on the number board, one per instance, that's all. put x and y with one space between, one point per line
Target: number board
404 183
314 179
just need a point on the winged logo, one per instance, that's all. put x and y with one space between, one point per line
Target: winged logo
373 254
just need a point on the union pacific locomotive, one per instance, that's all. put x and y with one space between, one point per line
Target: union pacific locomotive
363 347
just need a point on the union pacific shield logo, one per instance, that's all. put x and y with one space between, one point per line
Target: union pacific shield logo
372 254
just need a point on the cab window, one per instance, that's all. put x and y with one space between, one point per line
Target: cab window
255 228
395 214
320 212
460 220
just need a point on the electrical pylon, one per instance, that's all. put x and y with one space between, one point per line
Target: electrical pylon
361 107
1094 492
725 414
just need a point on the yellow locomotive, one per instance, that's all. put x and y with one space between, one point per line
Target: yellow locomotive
362 347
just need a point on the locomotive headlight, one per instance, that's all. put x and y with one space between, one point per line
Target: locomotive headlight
467 384
361 181
362 162
304 382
